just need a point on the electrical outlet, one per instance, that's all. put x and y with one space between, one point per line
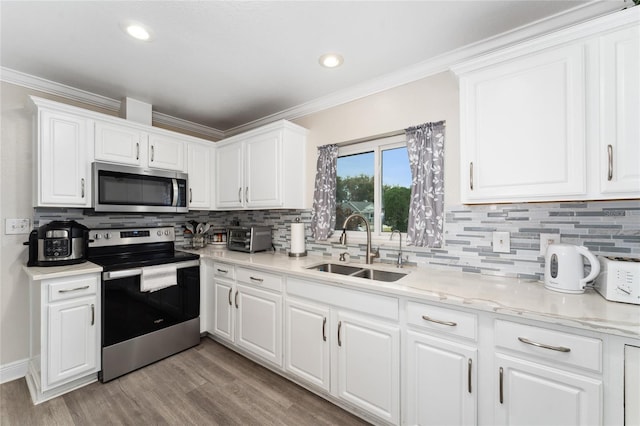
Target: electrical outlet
501 242
546 240
17 226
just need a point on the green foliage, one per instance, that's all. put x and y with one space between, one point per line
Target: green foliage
396 207
354 188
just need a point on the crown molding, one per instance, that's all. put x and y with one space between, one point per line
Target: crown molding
441 63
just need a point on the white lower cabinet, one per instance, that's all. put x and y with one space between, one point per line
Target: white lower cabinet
259 323
441 385
224 313
369 365
65 335
535 394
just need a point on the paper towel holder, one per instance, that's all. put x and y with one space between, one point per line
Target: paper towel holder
300 254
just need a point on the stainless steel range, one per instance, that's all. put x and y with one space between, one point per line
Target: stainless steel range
150 297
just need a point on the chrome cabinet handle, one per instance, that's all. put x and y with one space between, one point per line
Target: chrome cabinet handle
73 289
82 187
339 327
501 386
246 194
469 367
240 194
610 162
256 279
542 345
93 314
153 151
224 271
190 195
449 323
137 150
324 325
236 299
471 175
230 302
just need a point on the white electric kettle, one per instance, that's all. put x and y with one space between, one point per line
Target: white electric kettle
564 268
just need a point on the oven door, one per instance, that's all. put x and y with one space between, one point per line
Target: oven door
128 313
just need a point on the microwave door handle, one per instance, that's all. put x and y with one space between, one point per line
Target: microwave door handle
175 192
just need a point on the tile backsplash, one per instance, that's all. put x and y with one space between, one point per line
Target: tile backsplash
605 227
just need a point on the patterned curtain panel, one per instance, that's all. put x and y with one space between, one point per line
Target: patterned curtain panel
323 221
425 146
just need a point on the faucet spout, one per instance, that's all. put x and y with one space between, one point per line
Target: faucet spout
370 255
399 261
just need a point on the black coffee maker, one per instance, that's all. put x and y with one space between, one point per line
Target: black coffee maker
58 243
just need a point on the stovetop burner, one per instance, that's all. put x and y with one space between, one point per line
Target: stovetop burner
127 248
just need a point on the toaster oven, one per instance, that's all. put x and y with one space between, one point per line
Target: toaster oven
249 239
619 279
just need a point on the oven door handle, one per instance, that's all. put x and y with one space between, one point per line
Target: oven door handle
114 275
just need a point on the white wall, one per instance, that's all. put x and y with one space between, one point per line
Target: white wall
431 99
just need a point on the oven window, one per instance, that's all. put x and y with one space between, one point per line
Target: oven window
131 189
129 313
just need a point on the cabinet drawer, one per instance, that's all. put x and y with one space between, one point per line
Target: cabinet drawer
260 279
551 345
72 287
224 270
443 320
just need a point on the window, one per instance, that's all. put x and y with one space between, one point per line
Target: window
374 180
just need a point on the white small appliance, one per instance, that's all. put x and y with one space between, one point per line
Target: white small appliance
619 280
564 268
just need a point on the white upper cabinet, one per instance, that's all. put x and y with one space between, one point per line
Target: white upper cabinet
619 148
263 168
555 118
199 161
120 144
63 149
166 152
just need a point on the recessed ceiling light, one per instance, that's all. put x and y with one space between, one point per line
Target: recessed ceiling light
331 60
136 30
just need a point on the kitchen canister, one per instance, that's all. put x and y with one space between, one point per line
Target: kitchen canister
297 239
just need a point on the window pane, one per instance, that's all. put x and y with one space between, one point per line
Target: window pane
354 189
396 189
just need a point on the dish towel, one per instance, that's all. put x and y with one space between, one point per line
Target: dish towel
155 278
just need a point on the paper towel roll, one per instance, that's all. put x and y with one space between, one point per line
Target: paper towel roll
297 239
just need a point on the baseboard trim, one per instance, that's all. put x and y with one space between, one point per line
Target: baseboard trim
14 370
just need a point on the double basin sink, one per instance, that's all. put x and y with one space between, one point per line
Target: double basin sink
358 272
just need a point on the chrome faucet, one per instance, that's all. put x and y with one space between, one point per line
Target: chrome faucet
399 261
370 255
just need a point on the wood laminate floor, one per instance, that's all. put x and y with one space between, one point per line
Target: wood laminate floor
205 385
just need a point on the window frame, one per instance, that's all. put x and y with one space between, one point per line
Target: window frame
376 146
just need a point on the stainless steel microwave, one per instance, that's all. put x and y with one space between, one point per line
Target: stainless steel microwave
118 188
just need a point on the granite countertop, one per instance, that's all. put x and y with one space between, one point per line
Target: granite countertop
38 273
510 296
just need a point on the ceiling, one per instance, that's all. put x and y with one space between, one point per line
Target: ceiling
223 64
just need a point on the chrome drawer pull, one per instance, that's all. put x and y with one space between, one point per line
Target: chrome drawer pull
610 162
542 345
256 279
449 323
74 289
223 271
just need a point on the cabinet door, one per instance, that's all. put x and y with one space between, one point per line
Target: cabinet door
229 171
166 152
72 341
64 164
522 129
441 381
534 394
224 314
259 323
119 144
368 365
619 150
307 342
263 170
199 169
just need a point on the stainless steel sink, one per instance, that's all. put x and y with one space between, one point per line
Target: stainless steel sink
358 272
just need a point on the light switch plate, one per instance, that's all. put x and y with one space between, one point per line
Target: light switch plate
501 242
17 226
546 240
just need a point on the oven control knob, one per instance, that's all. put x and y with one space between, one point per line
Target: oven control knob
98 236
107 235
159 233
167 232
